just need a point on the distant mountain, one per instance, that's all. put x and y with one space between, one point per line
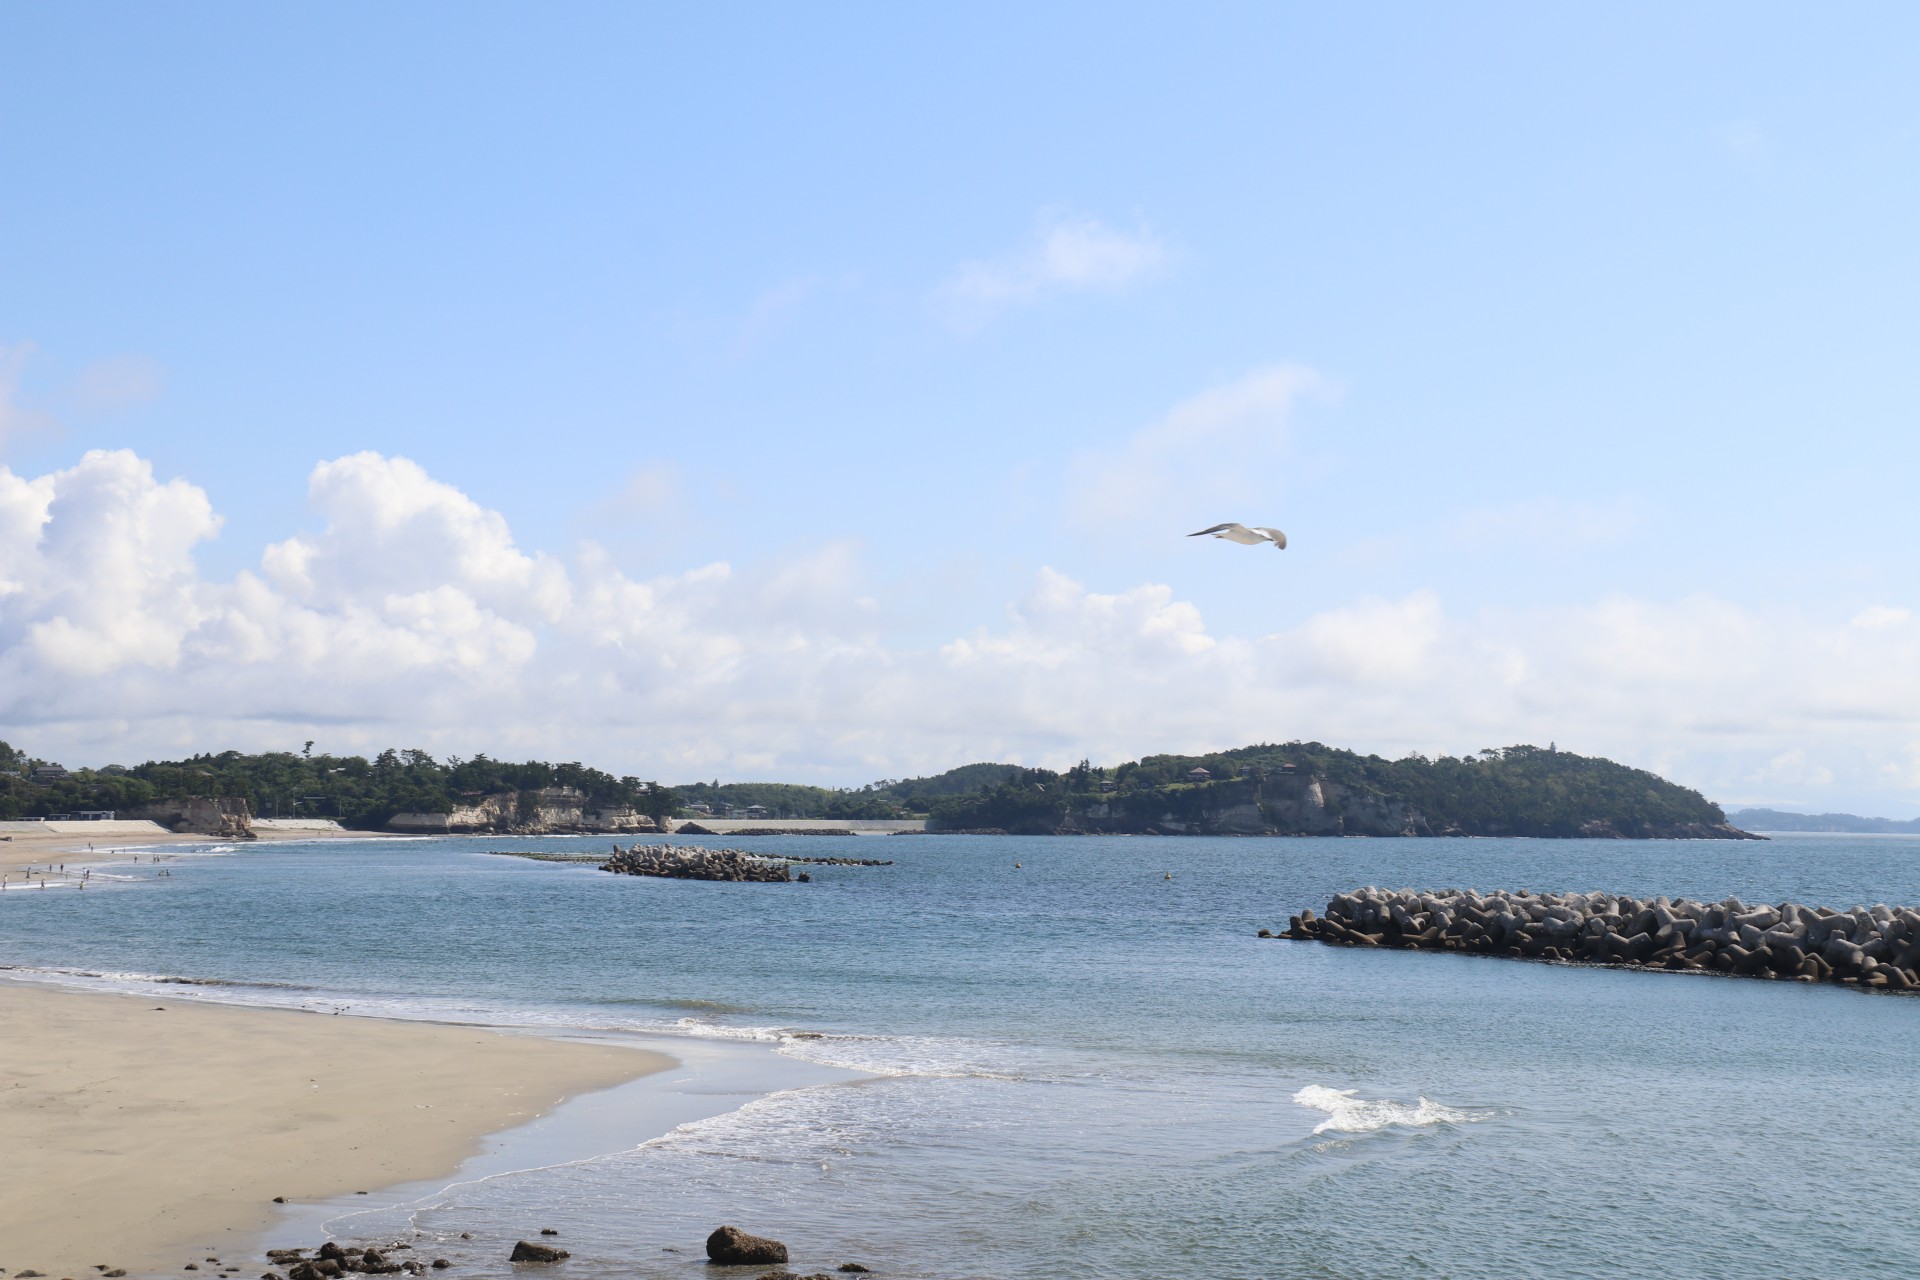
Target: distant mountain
1776 820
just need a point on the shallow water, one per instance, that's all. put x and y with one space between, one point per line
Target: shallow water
1079 1067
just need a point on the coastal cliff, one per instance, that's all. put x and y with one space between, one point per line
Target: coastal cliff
1290 805
545 811
229 817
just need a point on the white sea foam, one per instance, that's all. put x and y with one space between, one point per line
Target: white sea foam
935 1057
1347 1113
938 1057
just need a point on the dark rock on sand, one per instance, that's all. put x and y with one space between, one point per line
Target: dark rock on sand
854 1266
731 1246
527 1251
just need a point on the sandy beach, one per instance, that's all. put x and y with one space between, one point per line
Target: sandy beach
143 1134
77 844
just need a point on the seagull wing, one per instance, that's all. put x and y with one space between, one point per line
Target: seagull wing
1279 538
1233 533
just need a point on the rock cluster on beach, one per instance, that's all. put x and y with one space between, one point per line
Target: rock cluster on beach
331 1260
678 862
727 1246
1874 947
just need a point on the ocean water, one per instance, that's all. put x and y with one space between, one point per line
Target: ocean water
1019 1057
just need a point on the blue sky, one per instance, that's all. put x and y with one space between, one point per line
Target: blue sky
1572 349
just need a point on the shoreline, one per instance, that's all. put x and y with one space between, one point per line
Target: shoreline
713 1078
22 849
142 1133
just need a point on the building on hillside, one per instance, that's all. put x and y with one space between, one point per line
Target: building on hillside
1197 774
46 774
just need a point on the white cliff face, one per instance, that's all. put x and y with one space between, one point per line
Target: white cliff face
556 810
230 817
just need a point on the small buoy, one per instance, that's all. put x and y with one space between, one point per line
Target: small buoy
1168 876
1016 866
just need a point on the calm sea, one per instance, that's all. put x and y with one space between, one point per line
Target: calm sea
1062 1063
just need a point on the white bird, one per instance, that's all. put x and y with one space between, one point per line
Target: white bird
1246 537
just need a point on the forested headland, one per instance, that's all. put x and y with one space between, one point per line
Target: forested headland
1307 788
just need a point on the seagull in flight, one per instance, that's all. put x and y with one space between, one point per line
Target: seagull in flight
1246 537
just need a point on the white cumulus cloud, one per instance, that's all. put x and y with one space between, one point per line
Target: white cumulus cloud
411 616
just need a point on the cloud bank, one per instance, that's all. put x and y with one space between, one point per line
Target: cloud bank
409 615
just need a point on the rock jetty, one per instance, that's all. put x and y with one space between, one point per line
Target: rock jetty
843 862
1874 947
682 862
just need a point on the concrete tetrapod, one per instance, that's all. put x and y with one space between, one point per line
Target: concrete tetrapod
1877 948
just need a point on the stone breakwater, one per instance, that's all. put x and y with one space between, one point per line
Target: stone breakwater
678 862
1874 947
843 862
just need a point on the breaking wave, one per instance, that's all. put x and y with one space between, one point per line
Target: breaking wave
1347 1113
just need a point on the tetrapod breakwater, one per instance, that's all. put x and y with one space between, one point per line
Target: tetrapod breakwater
1876 948
684 862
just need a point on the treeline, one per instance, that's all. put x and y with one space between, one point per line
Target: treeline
793 800
357 791
885 799
1519 790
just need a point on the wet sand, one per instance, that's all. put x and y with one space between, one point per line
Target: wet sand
143 1134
